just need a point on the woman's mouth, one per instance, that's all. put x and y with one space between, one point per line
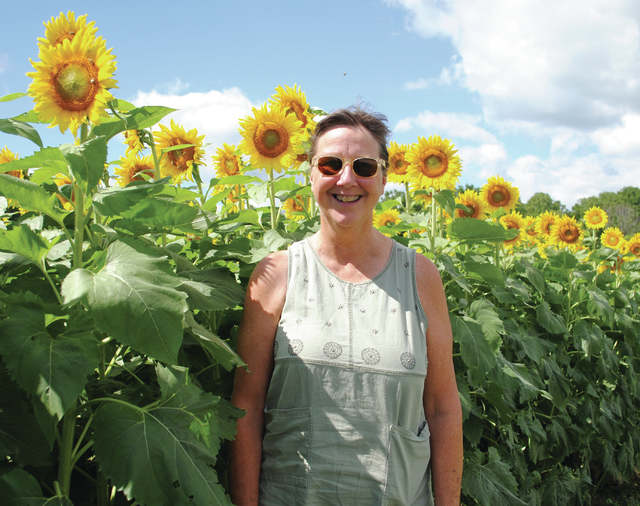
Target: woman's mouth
346 198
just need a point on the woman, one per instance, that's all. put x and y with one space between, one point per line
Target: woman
337 333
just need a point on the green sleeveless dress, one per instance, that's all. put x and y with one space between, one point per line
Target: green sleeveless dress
344 415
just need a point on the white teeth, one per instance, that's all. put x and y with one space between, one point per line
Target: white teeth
347 198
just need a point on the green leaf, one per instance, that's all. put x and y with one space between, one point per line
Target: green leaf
24 241
273 241
447 200
491 323
536 278
212 289
247 216
521 374
259 193
155 457
52 369
22 129
87 162
476 351
491 483
563 259
219 350
115 200
31 197
472 231
38 159
137 119
588 338
13 96
133 298
19 488
598 304
551 321
485 271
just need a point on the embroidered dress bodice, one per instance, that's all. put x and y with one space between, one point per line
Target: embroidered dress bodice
344 416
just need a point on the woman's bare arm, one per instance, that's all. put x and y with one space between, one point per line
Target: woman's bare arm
441 400
262 309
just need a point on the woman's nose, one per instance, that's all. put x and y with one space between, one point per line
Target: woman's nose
347 176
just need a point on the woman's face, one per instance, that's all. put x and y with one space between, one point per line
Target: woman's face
346 200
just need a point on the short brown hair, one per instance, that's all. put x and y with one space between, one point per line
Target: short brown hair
355 116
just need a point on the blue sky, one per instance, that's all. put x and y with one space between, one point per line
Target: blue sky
545 93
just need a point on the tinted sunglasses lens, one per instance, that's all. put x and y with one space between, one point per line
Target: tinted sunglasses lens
365 167
329 165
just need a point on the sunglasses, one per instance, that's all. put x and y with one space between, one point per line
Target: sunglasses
333 165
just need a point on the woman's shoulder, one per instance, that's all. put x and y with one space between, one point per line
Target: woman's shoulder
271 271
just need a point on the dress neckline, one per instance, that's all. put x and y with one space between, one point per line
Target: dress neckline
392 256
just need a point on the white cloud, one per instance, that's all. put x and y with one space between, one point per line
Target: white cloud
620 140
447 76
214 114
451 125
553 63
568 179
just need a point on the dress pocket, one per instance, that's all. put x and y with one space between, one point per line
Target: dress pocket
407 466
285 446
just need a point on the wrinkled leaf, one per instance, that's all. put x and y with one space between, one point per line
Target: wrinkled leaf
31 197
551 321
20 128
87 161
219 350
475 350
133 298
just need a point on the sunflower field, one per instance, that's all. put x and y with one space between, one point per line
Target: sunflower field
122 283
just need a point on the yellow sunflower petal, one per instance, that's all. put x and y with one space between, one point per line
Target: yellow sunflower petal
132 168
398 164
566 232
595 218
178 163
294 101
472 200
612 238
513 221
225 162
65 27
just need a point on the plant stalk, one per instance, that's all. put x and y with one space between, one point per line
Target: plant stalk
66 450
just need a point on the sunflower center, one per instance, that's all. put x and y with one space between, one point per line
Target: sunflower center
635 249
613 240
399 166
297 207
140 169
434 163
295 108
271 139
75 84
180 158
231 166
471 211
596 218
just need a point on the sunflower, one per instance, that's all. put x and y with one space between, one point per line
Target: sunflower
294 101
433 163
531 229
133 167
545 222
225 162
179 162
71 81
633 245
513 221
294 208
386 218
612 238
595 218
65 28
398 164
498 193
475 205
7 156
566 232
299 160
133 142
272 138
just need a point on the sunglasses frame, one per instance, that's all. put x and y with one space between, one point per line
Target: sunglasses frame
381 165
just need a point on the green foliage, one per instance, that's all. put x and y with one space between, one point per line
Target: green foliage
540 202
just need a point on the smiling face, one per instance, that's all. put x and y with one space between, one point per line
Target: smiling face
347 200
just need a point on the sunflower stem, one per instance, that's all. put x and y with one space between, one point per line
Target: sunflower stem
272 198
156 162
433 221
407 195
66 451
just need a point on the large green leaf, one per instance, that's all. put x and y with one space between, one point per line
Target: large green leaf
31 197
491 483
136 119
475 350
115 200
19 488
487 272
133 298
20 128
52 369
162 456
219 350
24 241
211 289
87 162
551 321
491 323
38 159
472 231
598 304
13 96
